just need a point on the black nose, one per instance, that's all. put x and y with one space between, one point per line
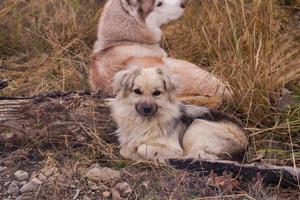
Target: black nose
146 109
182 5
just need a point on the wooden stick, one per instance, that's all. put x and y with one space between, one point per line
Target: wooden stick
278 175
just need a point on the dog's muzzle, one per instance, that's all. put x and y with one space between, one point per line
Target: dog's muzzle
146 109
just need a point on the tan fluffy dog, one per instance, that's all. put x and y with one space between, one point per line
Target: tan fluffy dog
154 126
129 34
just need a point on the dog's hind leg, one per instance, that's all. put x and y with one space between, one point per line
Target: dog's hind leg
214 140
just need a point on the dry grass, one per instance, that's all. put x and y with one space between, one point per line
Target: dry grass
254 45
45 45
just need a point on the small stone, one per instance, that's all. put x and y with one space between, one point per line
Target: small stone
106 194
103 174
2 169
21 175
115 194
124 188
31 185
93 166
13 189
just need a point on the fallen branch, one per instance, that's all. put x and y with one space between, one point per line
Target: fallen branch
82 117
278 175
55 117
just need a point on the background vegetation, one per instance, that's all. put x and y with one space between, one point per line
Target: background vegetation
253 44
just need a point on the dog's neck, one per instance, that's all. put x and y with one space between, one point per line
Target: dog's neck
117 27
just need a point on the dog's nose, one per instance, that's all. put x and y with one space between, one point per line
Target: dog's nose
182 4
146 109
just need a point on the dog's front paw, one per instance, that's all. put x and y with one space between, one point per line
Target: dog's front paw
150 152
157 153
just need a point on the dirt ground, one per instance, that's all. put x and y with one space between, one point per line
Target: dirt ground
145 181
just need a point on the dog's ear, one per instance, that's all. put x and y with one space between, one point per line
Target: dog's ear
146 8
130 5
123 80
171 81
141 7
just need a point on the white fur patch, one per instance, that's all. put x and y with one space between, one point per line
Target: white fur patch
169 10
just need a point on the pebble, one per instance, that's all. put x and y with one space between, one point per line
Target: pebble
31 185
93 166
13 189
21 175
106 194
103 174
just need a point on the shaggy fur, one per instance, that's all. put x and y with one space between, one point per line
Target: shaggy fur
129 34
154 126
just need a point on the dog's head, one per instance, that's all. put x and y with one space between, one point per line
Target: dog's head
155 12
150 91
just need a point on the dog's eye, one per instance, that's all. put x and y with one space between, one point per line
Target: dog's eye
138 91
156 93
159 4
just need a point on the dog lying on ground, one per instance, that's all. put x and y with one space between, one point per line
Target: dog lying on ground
129 34
154 126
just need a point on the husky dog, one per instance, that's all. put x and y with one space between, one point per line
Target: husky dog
129 34
154 126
